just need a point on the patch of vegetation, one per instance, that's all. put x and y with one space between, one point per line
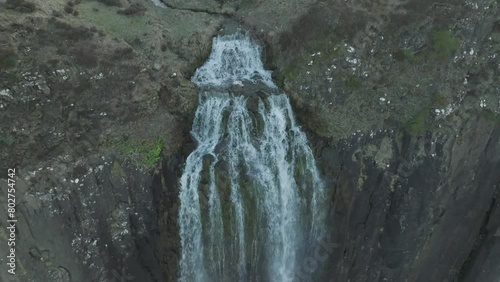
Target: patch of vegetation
290 73
118 170
405 55
116 3
136 42
145 153
57 14
7 140
70 32
123 53
322 52
440 99
419 123
20 6
85 55
68 9
444 43
133 9
353 82
126 28
490 115
329 49
8 57
12 77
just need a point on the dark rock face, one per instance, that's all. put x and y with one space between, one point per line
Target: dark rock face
483 263
419 217
414 202
107 221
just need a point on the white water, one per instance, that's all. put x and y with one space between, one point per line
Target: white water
234 57
250 193
159 4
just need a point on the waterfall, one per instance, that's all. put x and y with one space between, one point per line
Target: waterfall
250 195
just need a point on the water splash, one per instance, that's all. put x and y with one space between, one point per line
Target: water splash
250 193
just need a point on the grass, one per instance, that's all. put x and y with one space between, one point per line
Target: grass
444 43
353 83
20 6
419 123
133 9
290 73
490 115
12 78
406 55
118 170
106 18
144 153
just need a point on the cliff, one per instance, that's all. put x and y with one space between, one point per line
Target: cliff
398 98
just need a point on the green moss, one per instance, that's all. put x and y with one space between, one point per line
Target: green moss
419 123
444 43
143 152
353 83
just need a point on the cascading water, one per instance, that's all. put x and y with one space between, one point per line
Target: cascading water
251 196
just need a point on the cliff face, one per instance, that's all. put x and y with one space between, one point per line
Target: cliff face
90 103
414 176
400 101
414 209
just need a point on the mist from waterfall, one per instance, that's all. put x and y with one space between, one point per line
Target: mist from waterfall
250 194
